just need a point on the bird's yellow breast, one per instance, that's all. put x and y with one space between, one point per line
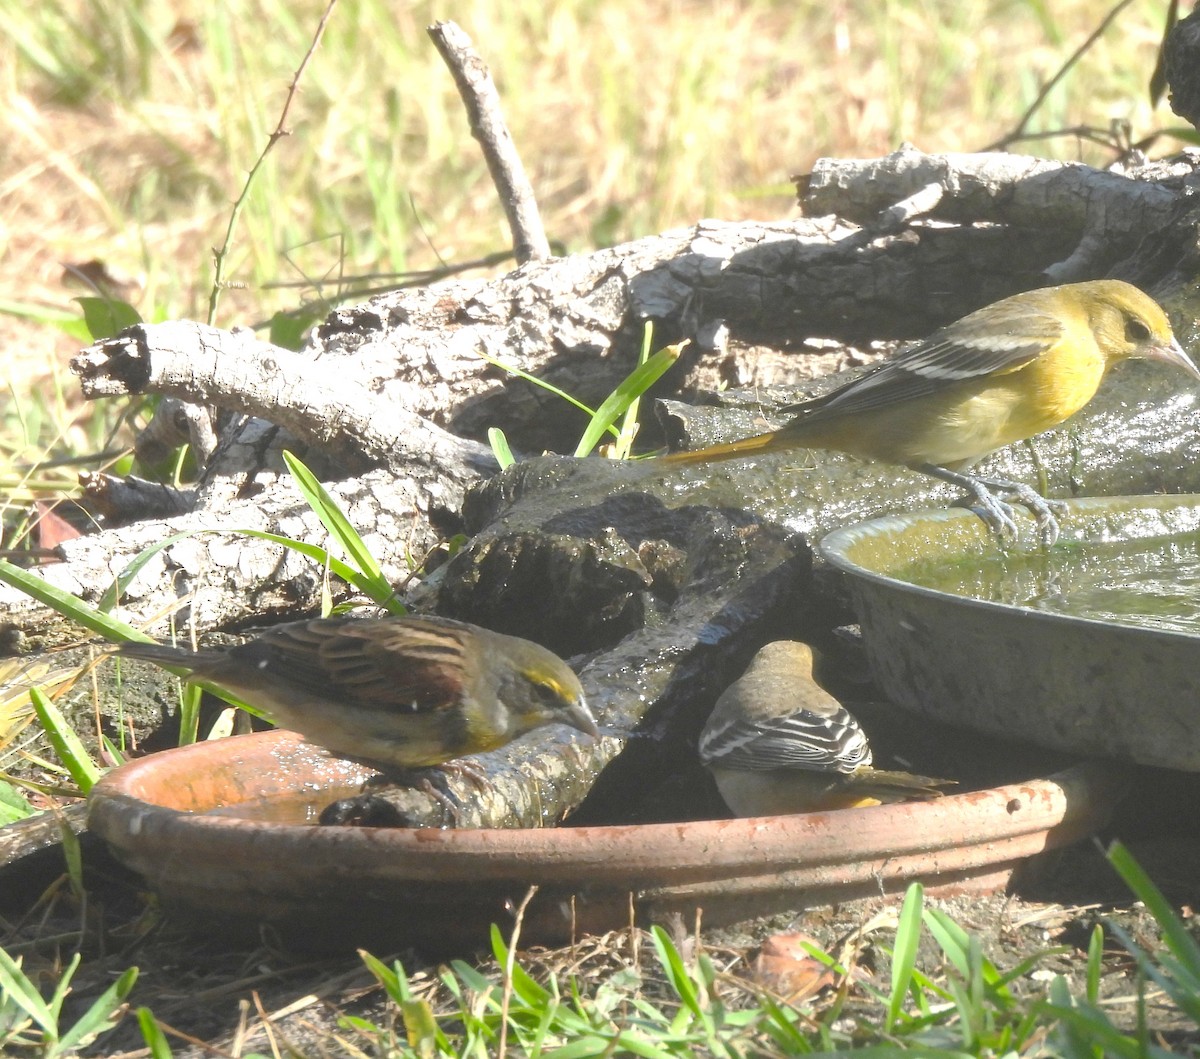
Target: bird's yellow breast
1054 387
966 420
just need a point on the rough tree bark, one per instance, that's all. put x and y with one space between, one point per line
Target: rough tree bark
390 399
402 382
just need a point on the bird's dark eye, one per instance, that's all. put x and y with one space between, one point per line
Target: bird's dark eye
1136 332
549 694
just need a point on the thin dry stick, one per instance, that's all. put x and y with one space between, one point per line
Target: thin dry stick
510 960
280 132
635 936
187 1038
265 1021
479 95
239 1036
1018 133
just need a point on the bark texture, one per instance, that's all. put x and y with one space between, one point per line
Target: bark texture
390 400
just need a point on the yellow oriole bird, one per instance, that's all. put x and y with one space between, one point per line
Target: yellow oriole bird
1003 373
777 742
401 692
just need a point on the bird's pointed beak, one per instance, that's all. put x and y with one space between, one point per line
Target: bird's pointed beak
1172 353
580 717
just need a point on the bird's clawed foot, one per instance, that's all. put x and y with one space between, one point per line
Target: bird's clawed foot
1045 512
998 514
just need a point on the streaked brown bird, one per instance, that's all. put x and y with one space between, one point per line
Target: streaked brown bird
999 375
777 742
400 692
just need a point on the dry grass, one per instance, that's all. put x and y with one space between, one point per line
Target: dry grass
129 127
128 130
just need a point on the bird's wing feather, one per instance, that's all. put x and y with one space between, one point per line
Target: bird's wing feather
410 665
958 352
802 740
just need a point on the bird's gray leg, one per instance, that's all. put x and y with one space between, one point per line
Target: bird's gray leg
994 511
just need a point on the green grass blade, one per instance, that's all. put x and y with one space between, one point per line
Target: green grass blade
636 383
369 578
113 595
1095 963
393 980
153 1035
69 323
523 985
67 745
962 949
1181 944
69 606
1089 1033
333 518
16 985
627 432
954 941
372 585
99 1015
13 804
512 369
1173 977
1022 969
189 714
83 770
904 953
500 447
73 855
378 590
677 973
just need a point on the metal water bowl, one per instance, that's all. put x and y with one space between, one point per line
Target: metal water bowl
1067 683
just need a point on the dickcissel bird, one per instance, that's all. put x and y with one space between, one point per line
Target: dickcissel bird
400 692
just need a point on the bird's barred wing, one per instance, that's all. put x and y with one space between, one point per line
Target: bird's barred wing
410 665
1013 337
802 740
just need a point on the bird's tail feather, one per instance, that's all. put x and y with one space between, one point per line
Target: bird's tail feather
729 451
901 786
165 655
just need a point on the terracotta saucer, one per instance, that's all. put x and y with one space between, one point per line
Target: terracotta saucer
201 824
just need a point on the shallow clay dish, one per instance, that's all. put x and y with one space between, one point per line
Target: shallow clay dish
197 823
